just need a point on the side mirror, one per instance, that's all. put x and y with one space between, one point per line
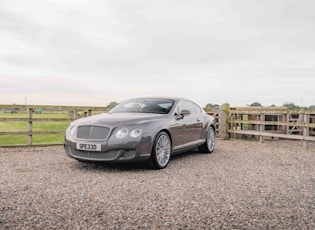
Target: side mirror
184 113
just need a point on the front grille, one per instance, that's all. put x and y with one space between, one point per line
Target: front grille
91 132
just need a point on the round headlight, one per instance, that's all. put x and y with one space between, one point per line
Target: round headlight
135 133
71 130
121 133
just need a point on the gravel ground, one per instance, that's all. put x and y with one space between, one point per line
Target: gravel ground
242 185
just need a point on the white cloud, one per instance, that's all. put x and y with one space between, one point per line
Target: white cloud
94 52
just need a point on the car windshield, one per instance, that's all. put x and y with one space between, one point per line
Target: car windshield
161 106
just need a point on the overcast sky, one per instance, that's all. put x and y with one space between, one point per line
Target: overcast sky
84 52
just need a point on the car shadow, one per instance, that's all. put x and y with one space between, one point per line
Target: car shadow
184 154
127 166
112 166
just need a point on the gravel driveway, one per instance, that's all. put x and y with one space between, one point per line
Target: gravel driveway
242 185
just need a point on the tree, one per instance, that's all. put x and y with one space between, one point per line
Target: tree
255 104
291 105
312 107
211 106
111 105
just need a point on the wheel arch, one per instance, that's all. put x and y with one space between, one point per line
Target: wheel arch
168 133
209 124
213 126
156 161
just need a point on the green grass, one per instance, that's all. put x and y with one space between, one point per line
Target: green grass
48 126
37 126
7 140
39 115
13 126
48 139
13 140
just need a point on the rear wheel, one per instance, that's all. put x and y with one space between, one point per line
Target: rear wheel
161 152
208 146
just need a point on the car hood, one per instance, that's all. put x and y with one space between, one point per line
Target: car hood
119 119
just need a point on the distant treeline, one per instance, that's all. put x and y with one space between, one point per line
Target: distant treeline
48 108
288 105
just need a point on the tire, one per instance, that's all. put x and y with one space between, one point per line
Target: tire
161 151
209 145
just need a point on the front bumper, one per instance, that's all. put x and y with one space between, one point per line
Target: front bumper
128 151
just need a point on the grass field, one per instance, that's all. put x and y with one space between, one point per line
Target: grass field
17 126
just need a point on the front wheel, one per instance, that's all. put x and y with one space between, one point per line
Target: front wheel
208 146
161 151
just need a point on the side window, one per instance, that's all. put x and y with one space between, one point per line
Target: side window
197 108
187 105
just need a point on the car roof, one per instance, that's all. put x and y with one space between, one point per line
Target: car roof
157 97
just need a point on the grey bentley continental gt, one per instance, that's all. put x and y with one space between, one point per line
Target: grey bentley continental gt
142 129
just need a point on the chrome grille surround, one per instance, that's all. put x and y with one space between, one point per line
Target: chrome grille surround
93 132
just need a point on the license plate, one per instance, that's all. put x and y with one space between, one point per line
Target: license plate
88 147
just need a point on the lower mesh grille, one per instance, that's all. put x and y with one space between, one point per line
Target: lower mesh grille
110 155
90 132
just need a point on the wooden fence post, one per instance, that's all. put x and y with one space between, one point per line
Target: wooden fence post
88 113
224 121
261 127
306 130
288 126
30 127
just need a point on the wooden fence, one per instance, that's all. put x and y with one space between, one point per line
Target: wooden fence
30 132
239 122
267 122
